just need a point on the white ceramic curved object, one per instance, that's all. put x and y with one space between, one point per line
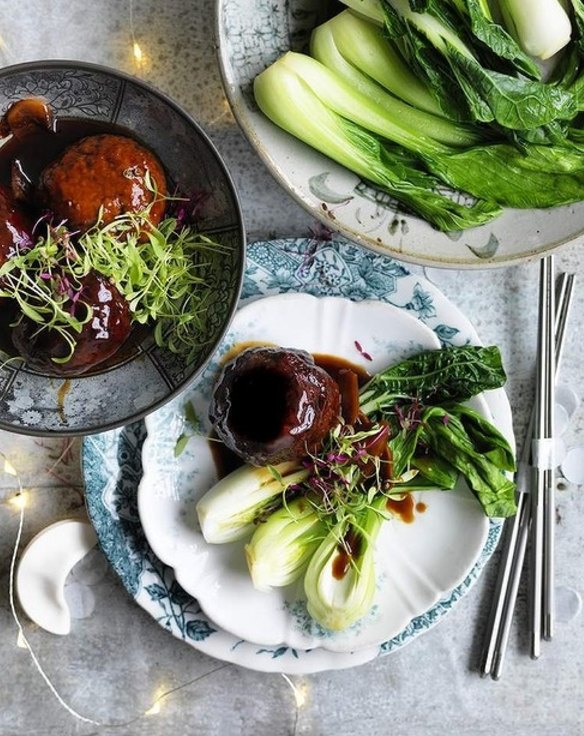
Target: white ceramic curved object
43 569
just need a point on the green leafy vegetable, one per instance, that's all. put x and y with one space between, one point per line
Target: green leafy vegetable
513 102
485 437
324 128
495 491
435 377
478 14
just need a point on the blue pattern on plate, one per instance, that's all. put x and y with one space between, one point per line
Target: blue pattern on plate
112 462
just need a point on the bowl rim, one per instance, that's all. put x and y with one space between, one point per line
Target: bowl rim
343 230
41 65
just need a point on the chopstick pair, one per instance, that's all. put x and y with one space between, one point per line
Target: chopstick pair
517 529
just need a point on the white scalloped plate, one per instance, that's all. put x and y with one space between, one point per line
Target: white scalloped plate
416 563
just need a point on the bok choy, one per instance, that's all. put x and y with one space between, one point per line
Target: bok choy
441 104
340 580
542 27
228 511
285 97
281 547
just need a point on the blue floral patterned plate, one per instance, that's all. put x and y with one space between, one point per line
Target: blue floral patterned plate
113 463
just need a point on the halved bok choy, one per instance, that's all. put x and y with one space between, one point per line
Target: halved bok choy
233 506
340 579
281 547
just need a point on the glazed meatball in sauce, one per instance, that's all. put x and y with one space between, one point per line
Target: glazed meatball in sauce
273 404
102 335
102 174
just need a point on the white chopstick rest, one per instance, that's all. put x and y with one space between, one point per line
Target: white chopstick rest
543 453
43 569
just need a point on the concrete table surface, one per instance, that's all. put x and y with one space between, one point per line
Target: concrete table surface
117 660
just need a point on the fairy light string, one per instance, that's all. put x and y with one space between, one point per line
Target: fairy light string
20 501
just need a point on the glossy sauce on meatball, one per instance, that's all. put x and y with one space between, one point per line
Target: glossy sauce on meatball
102 174
274 404
101 336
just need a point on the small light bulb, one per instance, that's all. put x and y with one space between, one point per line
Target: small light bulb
9 468
138 55
21 641
300 691
19 501
153 710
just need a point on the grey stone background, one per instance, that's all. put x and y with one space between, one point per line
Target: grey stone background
117 660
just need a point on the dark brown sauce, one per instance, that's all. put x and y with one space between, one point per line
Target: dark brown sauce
34 152
64 389
345 553
333 365
421 507
224 459
403 508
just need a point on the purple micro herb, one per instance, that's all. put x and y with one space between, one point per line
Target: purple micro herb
445 419
188 210
362 352
319 231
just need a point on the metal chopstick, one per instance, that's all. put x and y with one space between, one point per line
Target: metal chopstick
516 531
550 487
541 449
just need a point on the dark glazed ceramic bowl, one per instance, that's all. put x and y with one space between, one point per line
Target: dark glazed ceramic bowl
31 403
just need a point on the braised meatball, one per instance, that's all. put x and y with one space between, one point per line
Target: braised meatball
273 404
15 226
104 333
102 171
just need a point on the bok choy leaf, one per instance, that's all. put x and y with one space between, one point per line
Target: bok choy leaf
512 101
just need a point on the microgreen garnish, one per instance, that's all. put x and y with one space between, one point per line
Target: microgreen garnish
344 477
362 352
159 269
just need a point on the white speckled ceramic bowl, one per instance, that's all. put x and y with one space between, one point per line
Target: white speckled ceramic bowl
251 34
148 376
